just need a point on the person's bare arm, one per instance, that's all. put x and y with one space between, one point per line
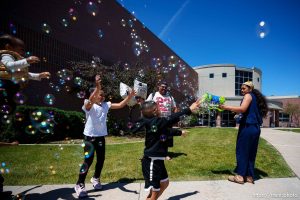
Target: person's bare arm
95 93
124 102
9 143
44 75
239 109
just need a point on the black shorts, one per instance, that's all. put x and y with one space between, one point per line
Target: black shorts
154 172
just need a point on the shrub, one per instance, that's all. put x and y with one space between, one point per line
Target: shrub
32 124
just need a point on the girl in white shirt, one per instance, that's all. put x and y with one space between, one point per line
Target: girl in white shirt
95 130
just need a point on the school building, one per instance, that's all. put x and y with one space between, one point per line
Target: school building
62 31
226 80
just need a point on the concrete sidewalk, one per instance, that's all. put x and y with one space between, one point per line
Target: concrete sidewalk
287 143
277 188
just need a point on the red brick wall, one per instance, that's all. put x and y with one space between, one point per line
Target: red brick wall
295 122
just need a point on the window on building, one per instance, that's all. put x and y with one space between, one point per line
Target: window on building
211 75
240 78
224 75
283 117
257 79
227 119
207 120
237 92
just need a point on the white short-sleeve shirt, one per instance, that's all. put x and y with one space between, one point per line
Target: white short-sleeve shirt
95 125
165 103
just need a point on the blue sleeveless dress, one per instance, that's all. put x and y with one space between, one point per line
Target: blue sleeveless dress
247 139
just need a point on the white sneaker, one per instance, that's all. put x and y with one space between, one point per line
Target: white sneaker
80 190
96 183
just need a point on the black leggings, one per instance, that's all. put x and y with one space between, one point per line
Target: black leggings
1 182
98 144
8 90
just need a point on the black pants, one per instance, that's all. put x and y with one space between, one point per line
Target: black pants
8 90
1 182
92 145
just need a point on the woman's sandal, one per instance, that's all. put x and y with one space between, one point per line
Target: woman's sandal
235 179
249 179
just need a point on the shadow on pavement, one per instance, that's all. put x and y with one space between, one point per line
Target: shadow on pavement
121 183
22 195
181 196
62 193
258 173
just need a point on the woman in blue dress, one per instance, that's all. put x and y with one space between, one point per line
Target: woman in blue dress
252 108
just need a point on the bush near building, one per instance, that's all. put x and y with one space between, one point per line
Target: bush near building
32 124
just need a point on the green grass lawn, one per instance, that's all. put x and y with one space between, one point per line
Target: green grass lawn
205 154
296 130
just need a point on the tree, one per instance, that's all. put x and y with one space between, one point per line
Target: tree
294 111
114 74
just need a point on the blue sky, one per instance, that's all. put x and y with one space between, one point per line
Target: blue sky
205 32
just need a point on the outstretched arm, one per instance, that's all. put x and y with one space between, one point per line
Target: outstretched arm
137 126
124 102
239 109
12 64
95 93
9 144
44 75
174 118
175 132
39 76
174 107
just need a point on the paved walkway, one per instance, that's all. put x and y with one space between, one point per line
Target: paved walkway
287 143
192 190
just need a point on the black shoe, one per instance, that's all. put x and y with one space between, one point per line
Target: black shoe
6 195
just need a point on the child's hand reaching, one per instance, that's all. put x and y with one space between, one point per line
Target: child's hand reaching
132 93
44 75
32 59
195 105
184 133
98 81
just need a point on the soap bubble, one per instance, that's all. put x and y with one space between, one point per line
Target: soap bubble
46 28
49 99
92 8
